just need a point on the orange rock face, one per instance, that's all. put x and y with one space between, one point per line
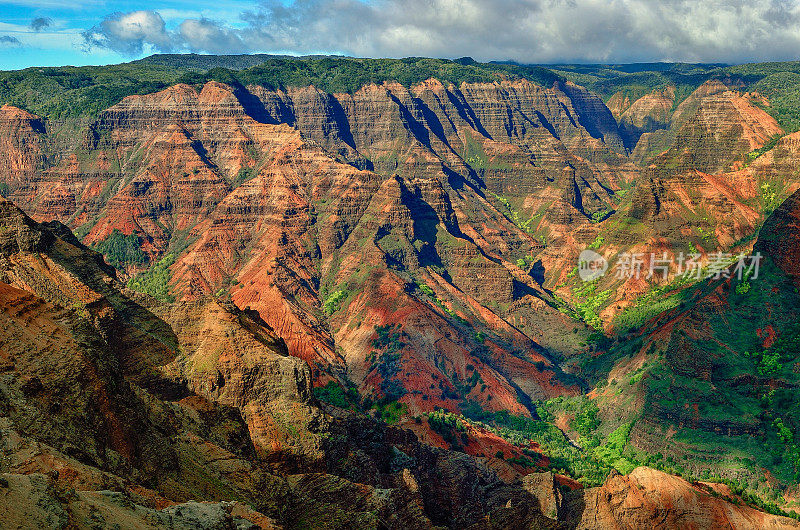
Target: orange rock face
647 498
257 195
112 415
21 135
253 208
416 242
647 114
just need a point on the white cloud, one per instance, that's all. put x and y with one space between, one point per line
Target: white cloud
210 36
521 30
41 23
129 33
7 41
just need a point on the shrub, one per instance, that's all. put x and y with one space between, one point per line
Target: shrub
334 302
155 281
335 395
121 250
586 420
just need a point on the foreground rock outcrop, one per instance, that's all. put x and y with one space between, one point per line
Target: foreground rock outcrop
647 498
110 414
192 415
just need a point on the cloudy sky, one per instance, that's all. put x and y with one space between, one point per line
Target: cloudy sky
45 33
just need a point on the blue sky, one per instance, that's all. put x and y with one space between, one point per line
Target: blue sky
61 41
46 33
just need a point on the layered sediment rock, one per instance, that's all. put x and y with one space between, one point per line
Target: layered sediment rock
647 498
253 208
247 189
99 426
21 150
647 114
386 236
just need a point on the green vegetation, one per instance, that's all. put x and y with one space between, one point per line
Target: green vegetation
598 241
471 382
390 412
80 310
771 143
66 93
121 250
515 217
451 427
764 403
244 174
601 214
636 80
637 376
427 290
586 421
770 198
388 338
653 303
787 436
590 303
155 281
590 462
611 452
474 154
783 91
387 359
430 293
595 454
70 92
74 93
335 395
203 62
743 287
345 74
772 361
742 419
333 303
778 82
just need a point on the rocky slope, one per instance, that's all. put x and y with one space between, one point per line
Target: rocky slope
647 114
118 410
719 371
397 249
324 252
21 149
98 425
725 166
501 167
647 498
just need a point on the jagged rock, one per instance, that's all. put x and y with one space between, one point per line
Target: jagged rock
100 425
31 501
280 199
257 210
543 486
647 498
780 237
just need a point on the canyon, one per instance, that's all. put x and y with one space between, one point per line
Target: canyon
347 300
